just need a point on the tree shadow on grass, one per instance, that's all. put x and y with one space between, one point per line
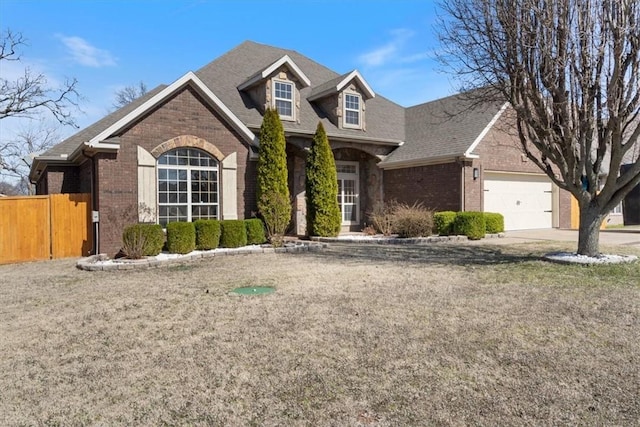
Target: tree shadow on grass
437 254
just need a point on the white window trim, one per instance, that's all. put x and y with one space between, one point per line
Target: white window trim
189 204
292 117
345 109
355 176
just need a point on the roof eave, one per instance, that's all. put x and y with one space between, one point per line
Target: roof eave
355 74
188 79
338 137
258 77
426 161
486 130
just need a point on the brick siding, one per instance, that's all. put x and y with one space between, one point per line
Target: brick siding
186 113
437 187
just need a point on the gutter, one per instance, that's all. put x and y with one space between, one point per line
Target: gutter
428 161
84 150
347 138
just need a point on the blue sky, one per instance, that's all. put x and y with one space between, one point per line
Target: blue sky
107 45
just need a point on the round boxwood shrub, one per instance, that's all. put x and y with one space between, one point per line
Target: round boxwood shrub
470 224
255 231
494 222
443 222
140 240
207 234
234 233
181 237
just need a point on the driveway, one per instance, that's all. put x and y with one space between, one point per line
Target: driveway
612 237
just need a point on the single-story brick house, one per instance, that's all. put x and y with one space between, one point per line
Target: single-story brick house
188 150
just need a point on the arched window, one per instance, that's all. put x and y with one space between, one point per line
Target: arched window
187 186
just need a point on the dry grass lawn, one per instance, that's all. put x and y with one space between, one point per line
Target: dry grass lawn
356 335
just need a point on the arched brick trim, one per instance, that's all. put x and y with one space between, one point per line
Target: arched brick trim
187 141
372 151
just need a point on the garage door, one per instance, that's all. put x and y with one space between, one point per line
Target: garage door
524 200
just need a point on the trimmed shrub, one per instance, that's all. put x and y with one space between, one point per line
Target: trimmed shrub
494 222
443 222
412 221
207 234
255 231
181 237
140 240
271 178
234 233
470 224
323 211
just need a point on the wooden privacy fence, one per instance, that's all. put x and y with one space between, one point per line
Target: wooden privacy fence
43 227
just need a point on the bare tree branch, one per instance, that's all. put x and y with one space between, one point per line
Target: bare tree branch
570 70
30 94
16 154
128 94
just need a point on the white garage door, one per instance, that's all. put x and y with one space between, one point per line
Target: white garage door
524 200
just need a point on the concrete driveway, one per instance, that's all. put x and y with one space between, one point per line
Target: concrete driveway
613 237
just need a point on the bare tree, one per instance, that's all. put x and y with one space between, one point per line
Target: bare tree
10 189
128 94
17 153
571 71
30 94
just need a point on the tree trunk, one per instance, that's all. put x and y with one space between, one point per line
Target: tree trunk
589 231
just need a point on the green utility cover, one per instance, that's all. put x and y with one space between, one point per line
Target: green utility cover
254 290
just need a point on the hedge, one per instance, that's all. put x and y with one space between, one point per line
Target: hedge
255 231
207 234
470 224
181 237
494 222
234 233
443 222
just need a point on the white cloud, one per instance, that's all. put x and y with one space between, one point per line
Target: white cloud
389 51
86 54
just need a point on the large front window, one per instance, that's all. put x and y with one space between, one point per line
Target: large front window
283 96
187 186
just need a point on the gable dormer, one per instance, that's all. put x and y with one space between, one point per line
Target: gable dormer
278 86
344 99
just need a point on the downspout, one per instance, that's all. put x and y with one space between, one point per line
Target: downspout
462 187
94 205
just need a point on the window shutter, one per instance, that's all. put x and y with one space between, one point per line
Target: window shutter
229 187
146 186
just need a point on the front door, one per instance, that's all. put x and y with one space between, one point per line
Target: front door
348 191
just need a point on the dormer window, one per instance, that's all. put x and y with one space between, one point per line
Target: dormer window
351 110
283 98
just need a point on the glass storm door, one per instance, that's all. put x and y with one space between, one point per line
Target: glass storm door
348 191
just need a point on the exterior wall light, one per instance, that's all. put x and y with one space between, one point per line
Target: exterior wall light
476 173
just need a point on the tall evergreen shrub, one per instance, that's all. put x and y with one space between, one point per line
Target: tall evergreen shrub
272 171
323 211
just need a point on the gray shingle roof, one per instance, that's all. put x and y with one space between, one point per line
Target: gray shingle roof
443 128
74 141
331 84
385 119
